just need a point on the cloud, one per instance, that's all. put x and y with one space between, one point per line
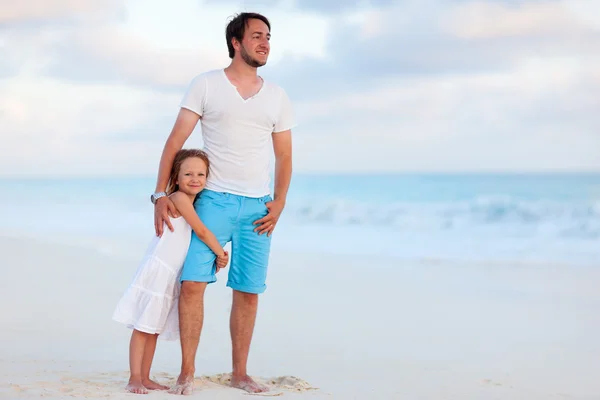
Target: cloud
406 86
326 7
410 39
83 128
519 119
362 46
481 20
96 50
30 29
535 116
537 92
43 10
57 113
131 51
109 55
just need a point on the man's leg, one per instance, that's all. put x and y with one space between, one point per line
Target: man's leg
191 318
241 324
247 276
215 210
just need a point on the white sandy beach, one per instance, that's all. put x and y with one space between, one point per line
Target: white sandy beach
328 328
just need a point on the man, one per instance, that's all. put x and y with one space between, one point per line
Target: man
240 115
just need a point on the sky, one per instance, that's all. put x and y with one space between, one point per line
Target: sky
93 87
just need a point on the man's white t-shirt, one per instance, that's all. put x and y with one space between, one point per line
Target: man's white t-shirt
237 132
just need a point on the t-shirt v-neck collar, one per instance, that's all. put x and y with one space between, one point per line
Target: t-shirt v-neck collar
236 89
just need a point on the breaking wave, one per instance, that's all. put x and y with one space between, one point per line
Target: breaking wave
504 214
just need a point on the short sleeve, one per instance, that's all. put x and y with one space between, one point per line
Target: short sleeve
285 119
194 98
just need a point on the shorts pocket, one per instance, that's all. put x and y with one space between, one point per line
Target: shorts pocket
208 196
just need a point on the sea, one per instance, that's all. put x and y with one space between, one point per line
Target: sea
483 218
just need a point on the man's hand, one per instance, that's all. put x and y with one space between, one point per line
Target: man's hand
164 208
268 222
222 261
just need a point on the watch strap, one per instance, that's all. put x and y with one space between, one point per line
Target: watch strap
156 196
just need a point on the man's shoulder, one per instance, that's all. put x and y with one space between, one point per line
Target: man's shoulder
206 75
274 88
272 84
213 73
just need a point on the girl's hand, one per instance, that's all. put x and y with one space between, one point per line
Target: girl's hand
222 261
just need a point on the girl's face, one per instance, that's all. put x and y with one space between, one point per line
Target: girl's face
192 176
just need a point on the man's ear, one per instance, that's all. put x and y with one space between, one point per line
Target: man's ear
236 44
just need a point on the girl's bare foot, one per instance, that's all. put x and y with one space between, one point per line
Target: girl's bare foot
151 385
135 386
248 384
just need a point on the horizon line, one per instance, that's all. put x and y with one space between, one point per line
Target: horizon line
329 173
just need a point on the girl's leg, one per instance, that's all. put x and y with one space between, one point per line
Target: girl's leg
137 346
147 364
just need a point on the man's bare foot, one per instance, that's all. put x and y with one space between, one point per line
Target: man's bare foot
246 383
184 385
151 385
135 386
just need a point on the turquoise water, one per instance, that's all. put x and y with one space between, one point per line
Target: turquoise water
544 217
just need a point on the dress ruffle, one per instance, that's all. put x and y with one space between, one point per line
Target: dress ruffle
150 303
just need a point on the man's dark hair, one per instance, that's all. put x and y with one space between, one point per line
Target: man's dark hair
237 27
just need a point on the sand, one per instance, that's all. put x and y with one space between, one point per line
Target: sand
329 327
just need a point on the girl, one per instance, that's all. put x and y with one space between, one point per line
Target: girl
149 305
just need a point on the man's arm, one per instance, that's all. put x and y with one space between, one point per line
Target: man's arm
182 129
282 145
184 125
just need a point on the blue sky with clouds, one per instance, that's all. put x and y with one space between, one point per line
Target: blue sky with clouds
92 87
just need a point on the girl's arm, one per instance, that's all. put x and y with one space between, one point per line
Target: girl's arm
186 209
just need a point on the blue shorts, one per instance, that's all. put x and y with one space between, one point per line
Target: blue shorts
230 218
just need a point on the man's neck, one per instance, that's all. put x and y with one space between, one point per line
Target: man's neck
241 71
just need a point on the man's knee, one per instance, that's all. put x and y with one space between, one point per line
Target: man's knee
250 299
191 290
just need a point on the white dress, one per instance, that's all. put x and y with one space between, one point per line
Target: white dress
150 303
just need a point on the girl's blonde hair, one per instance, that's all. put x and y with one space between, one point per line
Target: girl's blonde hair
180 157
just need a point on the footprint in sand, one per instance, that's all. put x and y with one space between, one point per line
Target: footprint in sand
18 388
491 382
104 386
291 383
285 383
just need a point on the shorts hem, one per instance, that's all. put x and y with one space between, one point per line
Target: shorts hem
247 289
199 278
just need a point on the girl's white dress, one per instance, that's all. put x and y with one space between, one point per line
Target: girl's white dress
150 303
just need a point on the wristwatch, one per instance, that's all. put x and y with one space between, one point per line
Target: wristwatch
156 196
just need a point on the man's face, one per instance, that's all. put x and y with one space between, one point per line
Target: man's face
255 44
